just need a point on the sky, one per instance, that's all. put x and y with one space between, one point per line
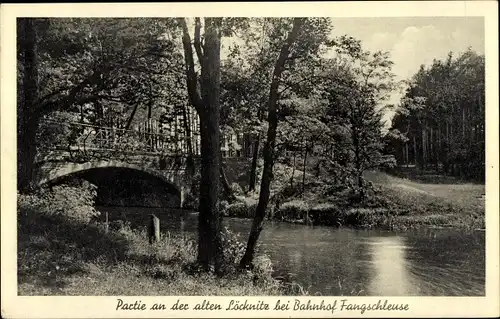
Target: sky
414 41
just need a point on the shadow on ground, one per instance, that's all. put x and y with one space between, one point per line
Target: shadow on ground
53 248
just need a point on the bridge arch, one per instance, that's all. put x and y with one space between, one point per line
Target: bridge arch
52 172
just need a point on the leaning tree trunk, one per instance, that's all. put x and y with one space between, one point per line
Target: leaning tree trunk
27 121
267 173
253 169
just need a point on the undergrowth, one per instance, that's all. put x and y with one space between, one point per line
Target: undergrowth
63 250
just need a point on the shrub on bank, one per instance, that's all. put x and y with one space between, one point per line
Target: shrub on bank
243 208
237 209
191 201
233 248
327 214
332 214
292 210
236 189
75 201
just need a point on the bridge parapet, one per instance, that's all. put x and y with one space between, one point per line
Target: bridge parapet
87 138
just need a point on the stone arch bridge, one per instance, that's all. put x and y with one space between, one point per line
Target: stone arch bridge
170 170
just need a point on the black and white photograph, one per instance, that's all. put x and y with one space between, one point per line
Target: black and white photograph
250 156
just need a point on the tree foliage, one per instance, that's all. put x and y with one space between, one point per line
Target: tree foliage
440 120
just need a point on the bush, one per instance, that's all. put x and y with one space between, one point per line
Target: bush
223 204
236 189
263 272
382 218
233 247
74 200
120 225
51 133
191 201
237 209
263 266
293 210
327 214
244 208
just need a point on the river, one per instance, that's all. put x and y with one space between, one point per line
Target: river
340 261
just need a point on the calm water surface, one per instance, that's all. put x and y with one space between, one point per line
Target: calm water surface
331 261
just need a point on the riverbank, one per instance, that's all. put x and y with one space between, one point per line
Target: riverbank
62 251
392 203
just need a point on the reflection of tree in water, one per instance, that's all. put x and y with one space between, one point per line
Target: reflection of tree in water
447 262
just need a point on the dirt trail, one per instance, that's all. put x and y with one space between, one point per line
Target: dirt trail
469 197
411 188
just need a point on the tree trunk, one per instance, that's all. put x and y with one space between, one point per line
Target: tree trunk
304 172
463 124
293 169
211 158
27 120
228 192
187 130
406 154
414 150
267 173
446 163
98 110
204 228
359 171
318 169
253 169
424 150
439 149
210 250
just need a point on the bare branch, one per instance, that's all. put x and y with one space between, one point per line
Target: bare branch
197 41
191 76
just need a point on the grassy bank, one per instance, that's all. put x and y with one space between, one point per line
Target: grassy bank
62 251
392 203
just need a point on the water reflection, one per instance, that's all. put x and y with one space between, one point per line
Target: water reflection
330 261
389 266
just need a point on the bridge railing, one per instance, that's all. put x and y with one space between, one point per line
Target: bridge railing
89 140
82 136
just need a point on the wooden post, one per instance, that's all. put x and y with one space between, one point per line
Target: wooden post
182 195
154 229
107 224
